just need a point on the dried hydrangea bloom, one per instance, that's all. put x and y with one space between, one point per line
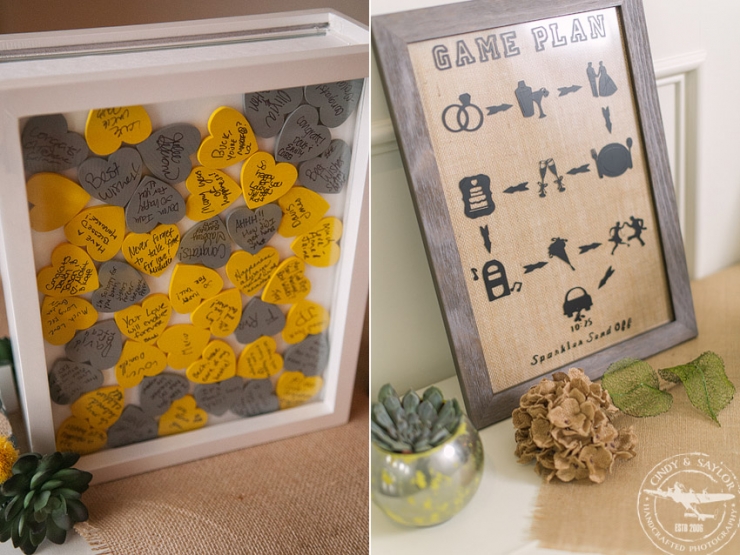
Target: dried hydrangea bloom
565 426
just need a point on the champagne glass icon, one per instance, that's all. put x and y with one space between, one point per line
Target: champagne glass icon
543 172
558 178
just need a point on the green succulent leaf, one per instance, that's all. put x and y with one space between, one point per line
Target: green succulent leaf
37 534
434 396
410 402
77 510
41 499
40 477
63 520
635 388
51 463
66 493
55 533
26 464
69 459
16 485
13 508
385 392
705 381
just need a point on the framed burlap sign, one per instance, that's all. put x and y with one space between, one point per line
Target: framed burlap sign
184 234
533 145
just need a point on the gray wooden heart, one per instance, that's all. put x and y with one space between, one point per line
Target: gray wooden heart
259 318
99 345
252 229
335 101
217 398
49 146
154 202
121 285
302 137
68 380
206 243
257 397
266 110
329 172
133 426
156 393
167 151
113 180
309 356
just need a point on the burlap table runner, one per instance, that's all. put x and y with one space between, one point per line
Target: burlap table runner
305 495
604 518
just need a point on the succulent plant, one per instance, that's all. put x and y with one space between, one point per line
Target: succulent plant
42 500
413 424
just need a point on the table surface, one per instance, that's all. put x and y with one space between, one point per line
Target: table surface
495 522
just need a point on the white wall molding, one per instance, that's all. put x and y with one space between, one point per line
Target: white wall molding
677 80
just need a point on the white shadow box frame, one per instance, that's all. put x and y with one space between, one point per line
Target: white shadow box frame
176 65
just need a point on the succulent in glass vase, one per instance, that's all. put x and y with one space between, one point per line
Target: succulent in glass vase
426 457
413 424
42 500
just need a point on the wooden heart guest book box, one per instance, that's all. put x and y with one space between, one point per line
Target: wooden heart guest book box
184 233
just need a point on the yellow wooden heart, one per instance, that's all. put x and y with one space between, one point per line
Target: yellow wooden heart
101 407
152 252
183 415
250 272
259 359
61 317
190 284
211 191
318 246
264 181
302 211
288 284
72 272
54 200
184 344
145 323
293 388
220 314
107 128
137 361
218 363
231 139
304 318
77 435
100 229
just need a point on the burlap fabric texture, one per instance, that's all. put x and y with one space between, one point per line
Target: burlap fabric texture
604 518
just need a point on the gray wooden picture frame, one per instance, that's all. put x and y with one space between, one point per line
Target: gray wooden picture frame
391 36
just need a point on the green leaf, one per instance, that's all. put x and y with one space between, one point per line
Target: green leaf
69 458
77 510
40 501
434 396
26 464
16 485
55 533
385 392
40 477
410 402
635 389
706 383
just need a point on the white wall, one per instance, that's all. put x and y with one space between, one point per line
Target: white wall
696 52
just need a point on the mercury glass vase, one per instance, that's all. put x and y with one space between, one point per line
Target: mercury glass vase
428 488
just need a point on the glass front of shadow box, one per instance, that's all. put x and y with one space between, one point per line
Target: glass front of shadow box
186 257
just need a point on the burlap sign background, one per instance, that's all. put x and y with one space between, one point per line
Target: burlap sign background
555 249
